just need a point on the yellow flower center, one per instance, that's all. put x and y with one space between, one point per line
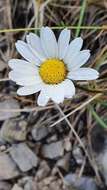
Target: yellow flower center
53 71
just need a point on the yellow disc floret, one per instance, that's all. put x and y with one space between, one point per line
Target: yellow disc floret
53 71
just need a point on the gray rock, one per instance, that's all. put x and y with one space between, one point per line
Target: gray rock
28 185
99 149
64 162
53 150
31 185
16 187
13 130
82 183
5 185
24 180
43 170
2 148
67 144
77 153
23 156
8 105
8 169
51 139
39 132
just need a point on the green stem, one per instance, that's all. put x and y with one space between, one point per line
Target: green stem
81 17
98 119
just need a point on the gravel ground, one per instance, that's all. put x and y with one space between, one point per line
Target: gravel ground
57 147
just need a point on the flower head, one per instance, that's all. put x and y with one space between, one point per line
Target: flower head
50 66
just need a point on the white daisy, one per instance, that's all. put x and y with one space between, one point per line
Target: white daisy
50 66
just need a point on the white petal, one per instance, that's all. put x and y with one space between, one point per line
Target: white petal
22 66
35 43
39 57
73 49
80 59
55 92
69 88
28 81
42 99
26 52
49 43
83 74
13 76
24 80
13 62
23 91
63 43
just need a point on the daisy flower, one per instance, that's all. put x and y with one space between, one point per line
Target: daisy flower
50 66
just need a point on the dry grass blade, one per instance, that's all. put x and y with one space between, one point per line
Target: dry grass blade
15 30
77 109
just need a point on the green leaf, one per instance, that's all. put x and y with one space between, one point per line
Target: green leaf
81 18
97 118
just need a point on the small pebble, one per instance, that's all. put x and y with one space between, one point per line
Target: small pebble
23 157
53 150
